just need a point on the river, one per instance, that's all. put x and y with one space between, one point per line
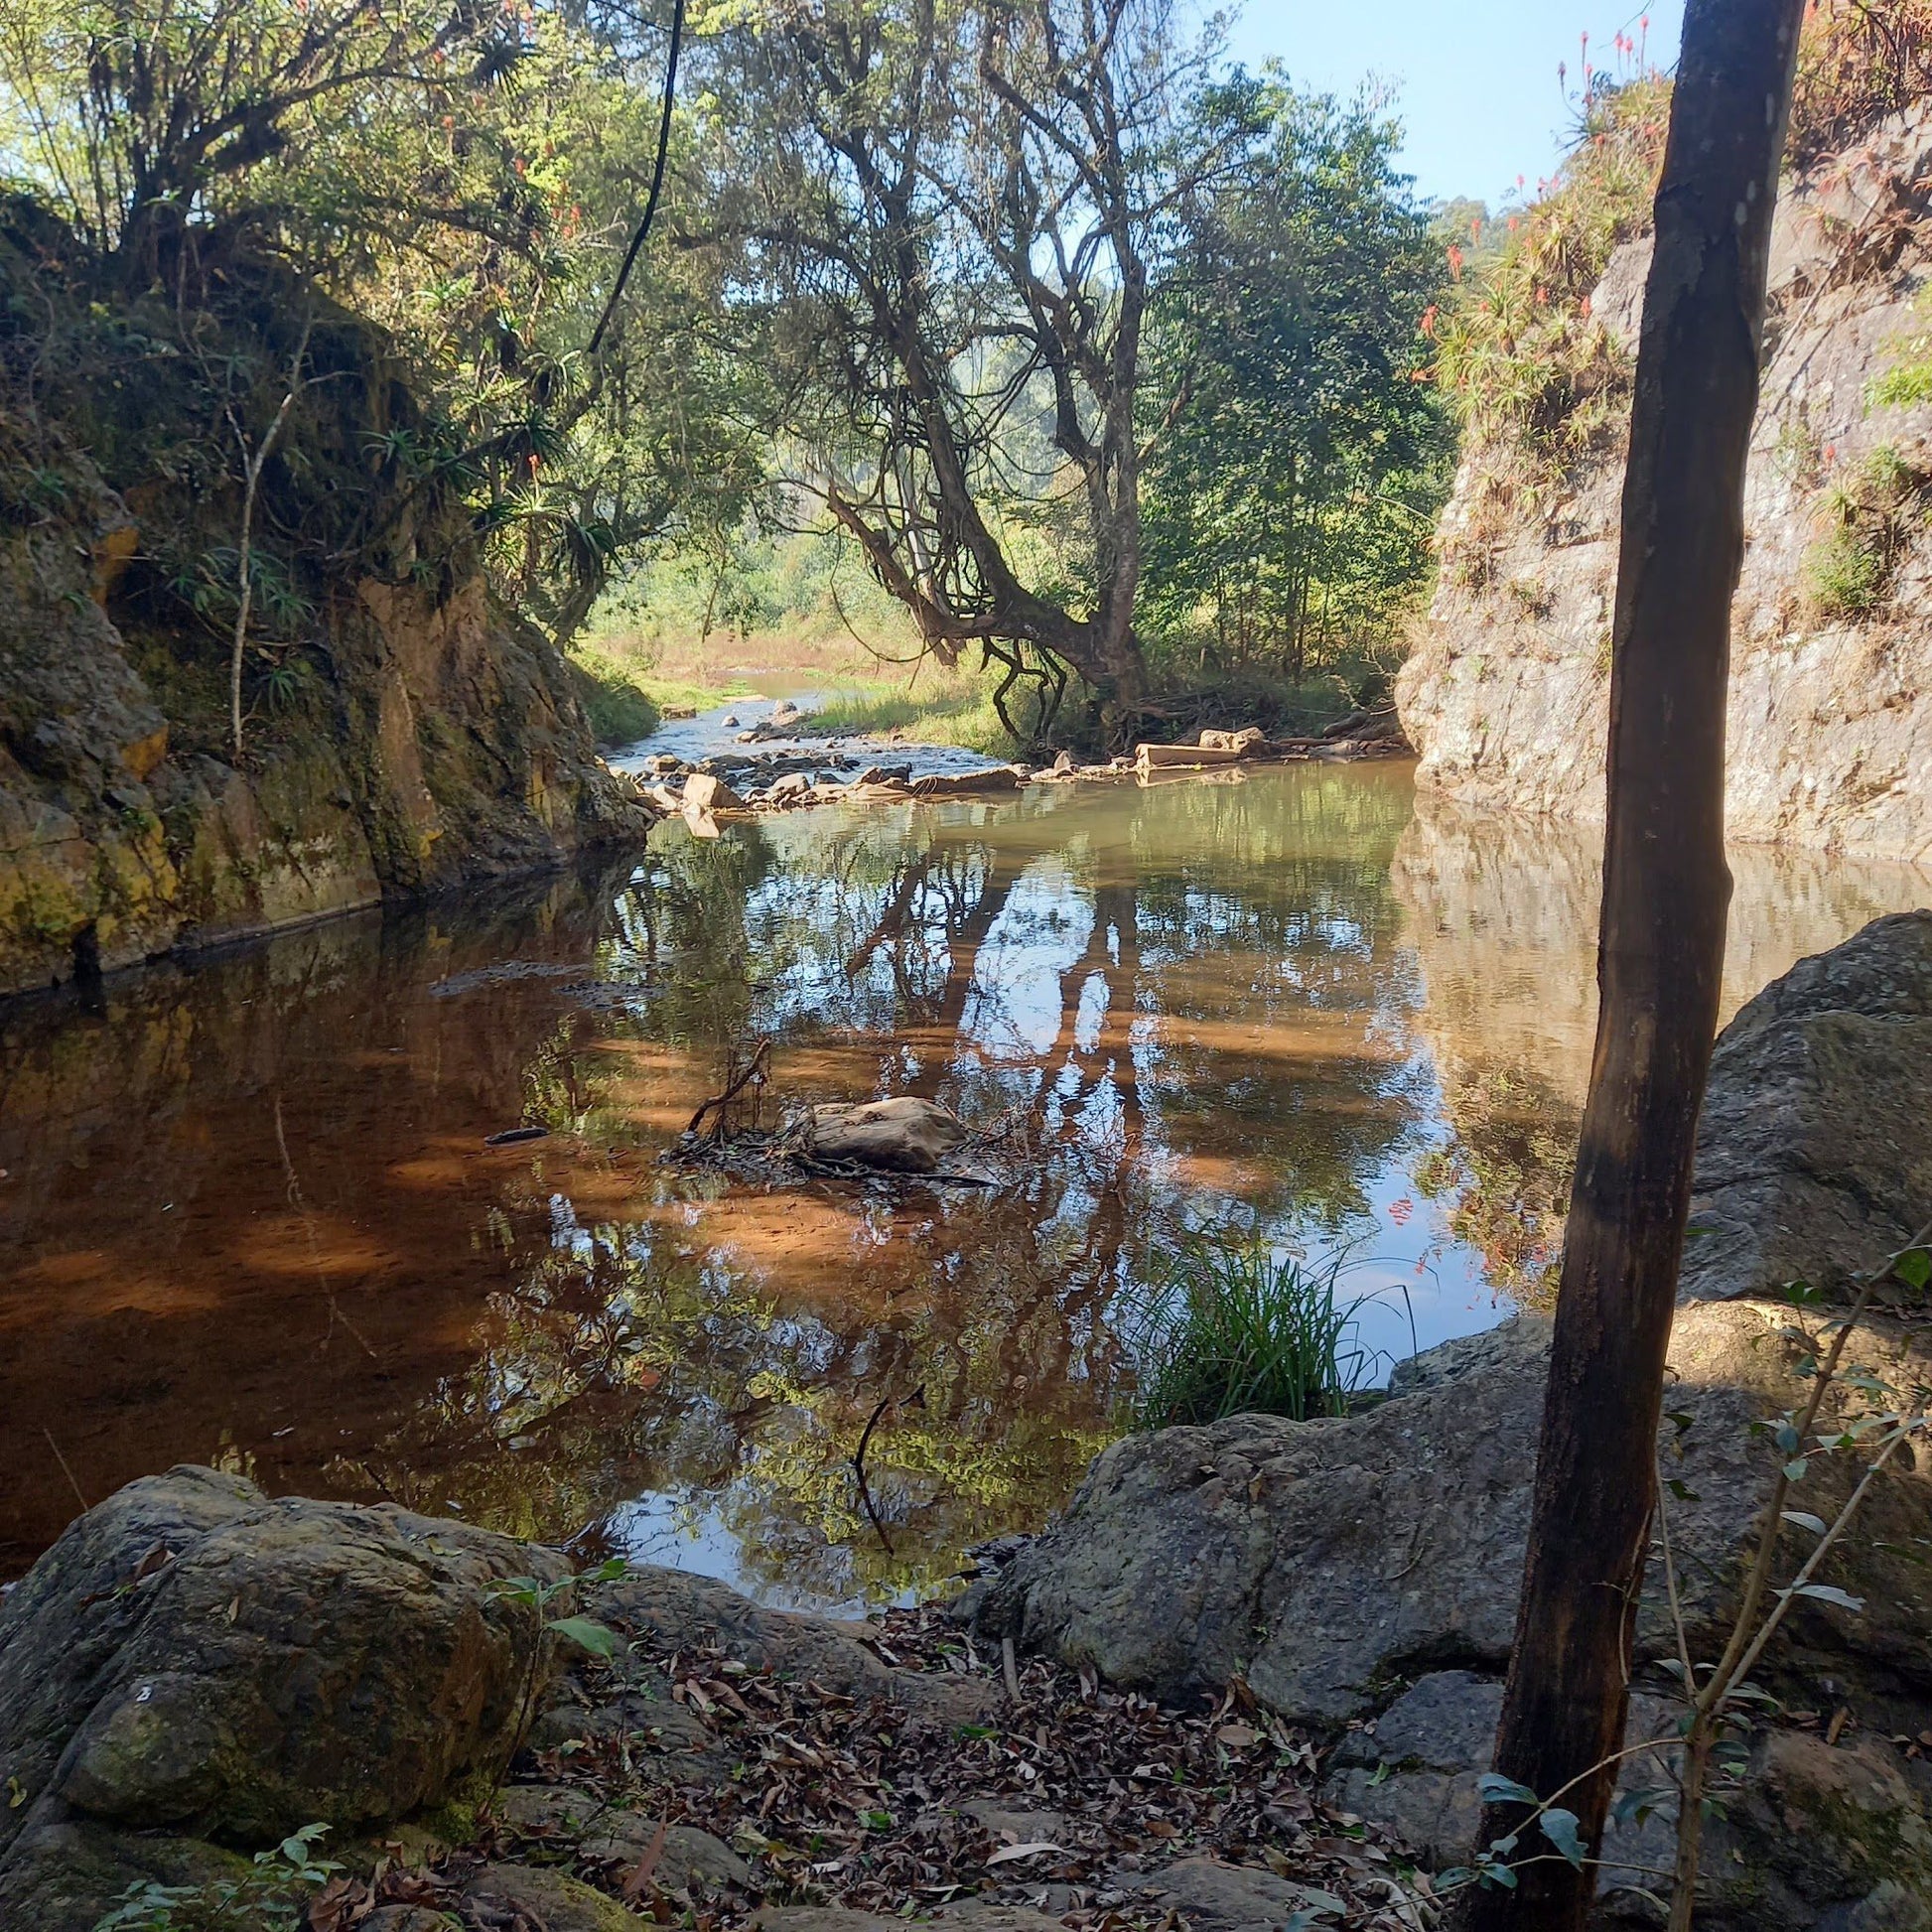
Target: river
249 1218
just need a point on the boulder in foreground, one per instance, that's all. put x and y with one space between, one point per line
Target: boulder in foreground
1813 1159
1326 1562
194 1658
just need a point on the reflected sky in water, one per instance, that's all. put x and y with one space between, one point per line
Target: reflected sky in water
250 1219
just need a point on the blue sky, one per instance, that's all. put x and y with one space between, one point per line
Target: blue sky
1475 83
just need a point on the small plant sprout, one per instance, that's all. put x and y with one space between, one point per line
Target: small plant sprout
584 1634
273 1894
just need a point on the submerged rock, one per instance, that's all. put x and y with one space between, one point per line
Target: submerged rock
965 784
903 1135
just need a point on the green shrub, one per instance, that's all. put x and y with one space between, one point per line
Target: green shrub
1872 514
1232 1327
272 1891
1844 575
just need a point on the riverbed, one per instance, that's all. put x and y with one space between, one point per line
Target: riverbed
251 1215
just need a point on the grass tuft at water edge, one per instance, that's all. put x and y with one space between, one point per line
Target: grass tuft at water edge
1236 1327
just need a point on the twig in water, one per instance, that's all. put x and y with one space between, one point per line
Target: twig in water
858 1461
737 1079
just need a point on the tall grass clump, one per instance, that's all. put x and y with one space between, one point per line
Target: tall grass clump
1234 1328
1524 363
1857 63
1871 516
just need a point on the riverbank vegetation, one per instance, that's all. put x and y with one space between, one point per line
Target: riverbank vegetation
1154 428
1538 382
1236 1327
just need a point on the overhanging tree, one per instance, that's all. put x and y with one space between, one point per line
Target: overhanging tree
1666 889
954 215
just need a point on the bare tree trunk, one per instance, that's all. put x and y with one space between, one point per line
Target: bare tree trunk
1664 892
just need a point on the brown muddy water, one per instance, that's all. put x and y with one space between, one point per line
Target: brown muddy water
248 1216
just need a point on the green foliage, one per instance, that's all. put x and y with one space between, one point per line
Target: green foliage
458 178
1290 498
1526 365
270 1895
581 1632
1872 513
1232 1326
1908 381
614 697
941 708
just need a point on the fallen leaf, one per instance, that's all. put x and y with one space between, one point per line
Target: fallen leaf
1008 1853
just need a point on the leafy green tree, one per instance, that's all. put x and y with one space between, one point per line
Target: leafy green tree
463 177
1295 475
952 216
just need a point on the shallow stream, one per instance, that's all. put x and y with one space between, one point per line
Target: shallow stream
248 1215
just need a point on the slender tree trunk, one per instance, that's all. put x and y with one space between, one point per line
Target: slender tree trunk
252 467
1664 892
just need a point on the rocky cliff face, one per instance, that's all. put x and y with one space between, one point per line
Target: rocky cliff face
448 746
405 735
1507 698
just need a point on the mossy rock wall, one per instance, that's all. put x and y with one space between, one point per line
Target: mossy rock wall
1506 696
431 737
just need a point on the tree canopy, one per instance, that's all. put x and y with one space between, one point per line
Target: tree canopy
1092 350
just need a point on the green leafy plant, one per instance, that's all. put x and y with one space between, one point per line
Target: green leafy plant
583 1634
1872 514
1236 1327
271 1894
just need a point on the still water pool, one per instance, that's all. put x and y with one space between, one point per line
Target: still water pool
249 1218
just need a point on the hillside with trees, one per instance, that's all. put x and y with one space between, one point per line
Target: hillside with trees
1096 360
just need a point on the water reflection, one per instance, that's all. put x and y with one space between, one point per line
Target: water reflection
249 1215
1501 914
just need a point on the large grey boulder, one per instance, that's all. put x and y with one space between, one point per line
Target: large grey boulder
1330 1561
1326 1563
195 1659
1813 1160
